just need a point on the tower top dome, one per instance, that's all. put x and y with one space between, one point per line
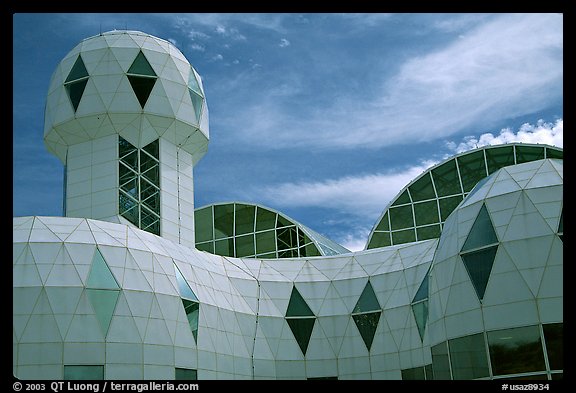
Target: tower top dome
129 83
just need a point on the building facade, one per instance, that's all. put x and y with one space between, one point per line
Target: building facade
116 289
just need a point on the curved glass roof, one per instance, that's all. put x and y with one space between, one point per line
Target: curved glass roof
420 209
247 230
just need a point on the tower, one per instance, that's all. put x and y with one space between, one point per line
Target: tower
126 114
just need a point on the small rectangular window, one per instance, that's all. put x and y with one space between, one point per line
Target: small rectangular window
83 372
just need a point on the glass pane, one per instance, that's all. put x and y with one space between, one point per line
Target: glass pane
472 169
516 350
83 372
78 70
479 265
224 247
297 307
245 246
192 310
428 232
203 224
286 238
75 91
141 66
498 157
426 213
223 221
128 209
100 276
380 239
402 237
153 149
367 325
428 371
183 287
150 196
383 225
208 247
103 302
447 206
422 292
422 188
528 153
561 223
282 222
554 153
468 357
402 199
196 103
244 219
411 374
149 221
302 330
125 148
482 232
367 300
265 219
193 83
288 253
265 242
185 374
311 251
150 169
440 362
142 87
554 337
446 179
420 311
401 217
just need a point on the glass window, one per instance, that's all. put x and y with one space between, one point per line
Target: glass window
383 225
447 205
78 70
528 153
224 247
141 66
367 324
203 224
379 239
402 199
297 306
517 350
422 188
245 246
183 288
446 179
265 242
223 221
142 87
526 378
420 311
265 219
401 237
554 337
440 361
428 232
498 157
75 91
468 357
196 103
367 300
410 374
100 276
472 169
302 330
311 251
479 265
422 292
83 372
103 302
554 153
183 374
426 213
401 217
192 310
245 215
208 247
428 371
286 238
482 232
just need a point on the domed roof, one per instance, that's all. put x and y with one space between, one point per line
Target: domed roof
130 83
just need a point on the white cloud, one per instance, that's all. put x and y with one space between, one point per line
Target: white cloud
197 47
217 57
544 133
284 43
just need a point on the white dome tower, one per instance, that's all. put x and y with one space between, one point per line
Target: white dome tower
127 116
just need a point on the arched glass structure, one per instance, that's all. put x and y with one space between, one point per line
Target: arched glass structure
418 212
246 230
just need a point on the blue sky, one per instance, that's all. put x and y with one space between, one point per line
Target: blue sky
324 117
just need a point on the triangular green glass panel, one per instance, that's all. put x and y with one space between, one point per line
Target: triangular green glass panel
193 83
420 311
479 265
367 324
78 71
183 287
196 103
142 87
423 290
297 307
367 301
482 232
141 66
103 301
100 276
75 91
302 330
192 310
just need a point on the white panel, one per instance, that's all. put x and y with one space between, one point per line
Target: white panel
124 371
84 328
350 290
124 353
465 323
84 353
551 309
506 288
510 315
155 372
159 355
529 253
321 368
334 329
290 369
552 284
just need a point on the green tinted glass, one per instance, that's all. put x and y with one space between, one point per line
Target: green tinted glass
426 213
401 217
422 188
482 232
420 311
78 71
383 225
367 301
203 224
141 66
103 302
367 325
265 219
297 306
380 239
245 246
402 199
499 157
554 336
142 87
479 265
428 232
302 330
412 374
472 169
446 179
183 287
192 310
265 242
468 357
83 372
75 91
245 215
553 153
223 221
100 276
447 205
529 153
517 350
185 374
224 247
440 362
402 237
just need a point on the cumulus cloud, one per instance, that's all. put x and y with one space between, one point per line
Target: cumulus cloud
541 132
197 47
284 43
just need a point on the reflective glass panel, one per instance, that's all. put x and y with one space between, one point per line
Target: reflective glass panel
482 232
380 239
83 372
367 300
420 311
528 153
265 219
192 310
223 221
75 91
440 361
297 307
428 232
245 246
100 276
265 242
410 374
203 224
553 153
479 265
447 206
554 336
185 374
426 213
103 302
517 350
142 87
402 199
383 225
208 247
498 157
446 179
472 169
224 247
183 287
245 215
367 324
286 238
78 70
422 188
402 237
422 292
468 357
141 66
302 330
401 217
